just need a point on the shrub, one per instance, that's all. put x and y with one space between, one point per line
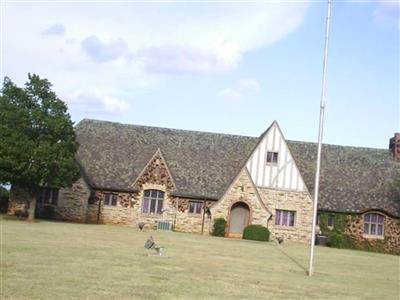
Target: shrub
219 227
256 233
335 240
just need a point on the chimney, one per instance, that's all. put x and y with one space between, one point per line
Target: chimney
394 146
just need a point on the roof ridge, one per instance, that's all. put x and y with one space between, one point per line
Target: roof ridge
166 128
337 145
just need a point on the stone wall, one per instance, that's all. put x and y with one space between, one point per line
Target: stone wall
18 200
128 210
389 243
300 202
72 202
241 190
190 222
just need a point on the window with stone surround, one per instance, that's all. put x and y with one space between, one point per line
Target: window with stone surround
110 199
285 217
153 201
330 220
272 158
195 207
48 196
374 224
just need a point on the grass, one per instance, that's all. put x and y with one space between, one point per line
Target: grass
54 260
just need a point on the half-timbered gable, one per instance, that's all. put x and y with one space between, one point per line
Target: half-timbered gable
272 165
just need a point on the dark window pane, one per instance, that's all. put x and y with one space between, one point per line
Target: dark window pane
373 229
272 157
366 228
153 205
278 217
330 220
160 194
374 217
199 207
145 208
107 199
380 230
54 199
114 200
367 218
153 193
46 195
191 207
147 193
380 219
159 206
285 218
291 218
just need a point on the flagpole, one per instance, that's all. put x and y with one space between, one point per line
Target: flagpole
320 136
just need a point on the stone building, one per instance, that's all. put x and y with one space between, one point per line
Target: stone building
133 174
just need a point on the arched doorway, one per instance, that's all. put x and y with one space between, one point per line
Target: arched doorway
239 218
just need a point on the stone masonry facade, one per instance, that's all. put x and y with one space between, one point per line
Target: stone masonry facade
71 206
299 202
128 210
388 243
80 203
242 190
17 202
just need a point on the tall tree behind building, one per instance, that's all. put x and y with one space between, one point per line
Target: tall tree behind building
37 140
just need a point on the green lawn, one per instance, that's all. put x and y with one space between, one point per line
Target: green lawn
54 260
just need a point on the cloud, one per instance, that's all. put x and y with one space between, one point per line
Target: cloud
95 102
188 59
104 51
387 13
127 50
56 29
242 88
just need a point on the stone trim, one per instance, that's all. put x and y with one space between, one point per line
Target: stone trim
249 221
257 193
157 153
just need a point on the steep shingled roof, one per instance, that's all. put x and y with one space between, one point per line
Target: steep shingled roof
204 164
353 179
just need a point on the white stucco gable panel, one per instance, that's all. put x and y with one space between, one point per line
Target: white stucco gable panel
281 174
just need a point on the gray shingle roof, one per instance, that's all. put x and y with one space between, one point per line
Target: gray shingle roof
204 164
353 179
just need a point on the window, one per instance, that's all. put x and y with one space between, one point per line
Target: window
272 158
373 224
285 217
48 196
152 202
110 199
195 207
330 220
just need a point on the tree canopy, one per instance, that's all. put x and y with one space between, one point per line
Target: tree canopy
37 140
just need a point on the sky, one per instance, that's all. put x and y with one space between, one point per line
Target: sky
228 67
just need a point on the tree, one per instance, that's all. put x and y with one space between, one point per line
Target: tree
37 140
